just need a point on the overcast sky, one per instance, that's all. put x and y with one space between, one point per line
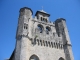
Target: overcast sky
9 13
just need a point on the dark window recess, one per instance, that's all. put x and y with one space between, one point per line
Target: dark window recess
57 45
46 43
63 30
43 42
46 20
48 29
53 34
58 34
37 17
49 44
40 27
25 26
61 46
41 19
52 44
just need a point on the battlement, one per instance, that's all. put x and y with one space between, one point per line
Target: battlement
47 43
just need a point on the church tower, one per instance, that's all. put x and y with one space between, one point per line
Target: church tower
39 39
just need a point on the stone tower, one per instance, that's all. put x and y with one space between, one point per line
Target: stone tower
39 39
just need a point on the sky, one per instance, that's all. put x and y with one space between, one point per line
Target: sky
9 13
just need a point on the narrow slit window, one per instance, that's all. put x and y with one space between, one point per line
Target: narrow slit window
41 18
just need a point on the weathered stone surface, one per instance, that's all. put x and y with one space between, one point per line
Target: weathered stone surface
41 42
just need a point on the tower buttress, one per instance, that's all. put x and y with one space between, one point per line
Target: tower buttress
23 22
62 31
22 32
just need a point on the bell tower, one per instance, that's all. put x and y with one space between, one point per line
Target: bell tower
39 39
42 16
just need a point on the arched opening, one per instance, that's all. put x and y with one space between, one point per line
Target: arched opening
61 58
34 57
48 29
40 27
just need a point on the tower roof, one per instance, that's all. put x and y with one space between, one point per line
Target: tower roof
43 12
60 19
22 9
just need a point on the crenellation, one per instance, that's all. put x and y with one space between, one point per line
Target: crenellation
47 43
